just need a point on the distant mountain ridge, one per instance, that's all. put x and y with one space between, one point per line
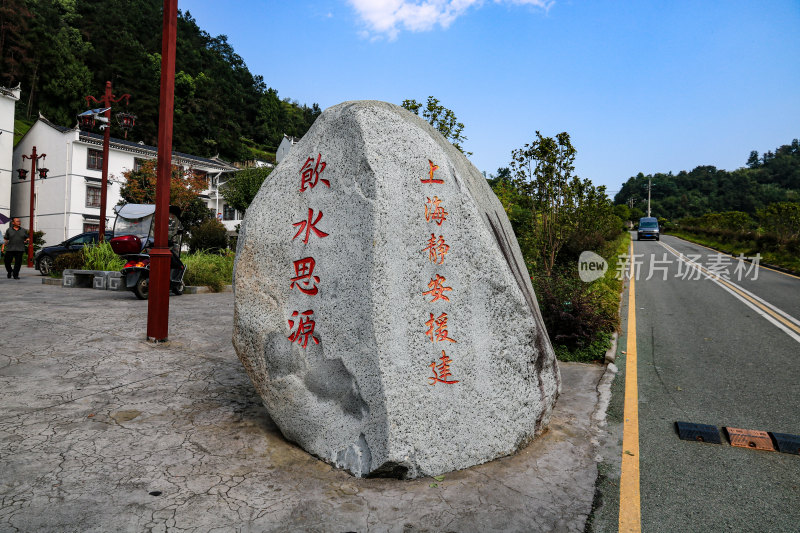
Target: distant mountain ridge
772 177
60 52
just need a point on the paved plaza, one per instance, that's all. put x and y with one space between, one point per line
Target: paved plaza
102 431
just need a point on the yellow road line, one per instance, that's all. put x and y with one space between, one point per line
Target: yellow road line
736 257
629 497
761 306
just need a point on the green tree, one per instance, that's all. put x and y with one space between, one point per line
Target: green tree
195 213
544 170
441 118
140 186
15 46
242 187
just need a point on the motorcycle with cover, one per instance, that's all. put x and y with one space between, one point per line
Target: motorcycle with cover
133 239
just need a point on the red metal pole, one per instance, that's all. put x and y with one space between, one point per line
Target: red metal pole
30 225
158 299
104 183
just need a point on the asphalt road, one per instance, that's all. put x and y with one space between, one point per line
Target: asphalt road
706 356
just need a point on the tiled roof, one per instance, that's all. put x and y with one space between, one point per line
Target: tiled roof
130 145
126 145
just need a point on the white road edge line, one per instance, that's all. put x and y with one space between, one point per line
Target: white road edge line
716 279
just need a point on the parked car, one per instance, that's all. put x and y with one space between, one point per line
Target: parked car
44 259
648 229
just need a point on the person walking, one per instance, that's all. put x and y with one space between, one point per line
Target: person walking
14 242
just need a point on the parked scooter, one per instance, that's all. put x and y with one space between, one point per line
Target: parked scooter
133 238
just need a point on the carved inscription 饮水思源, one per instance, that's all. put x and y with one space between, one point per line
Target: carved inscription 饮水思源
302 324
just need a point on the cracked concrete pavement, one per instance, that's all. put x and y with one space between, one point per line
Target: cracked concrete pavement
102 431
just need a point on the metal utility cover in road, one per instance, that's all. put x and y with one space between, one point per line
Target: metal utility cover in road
787 443
698 432
750 438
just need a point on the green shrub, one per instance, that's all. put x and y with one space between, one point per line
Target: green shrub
71 260
209 269
38 241
211 235
581 317
101 257
782 219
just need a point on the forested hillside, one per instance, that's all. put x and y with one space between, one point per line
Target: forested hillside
62 50
769 178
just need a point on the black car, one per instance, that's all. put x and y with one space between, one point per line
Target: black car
46 256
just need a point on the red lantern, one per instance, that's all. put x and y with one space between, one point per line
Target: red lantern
43 173
22 173
126 121
86 122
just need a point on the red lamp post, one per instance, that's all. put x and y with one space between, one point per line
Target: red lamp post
158 300
106 100
42 175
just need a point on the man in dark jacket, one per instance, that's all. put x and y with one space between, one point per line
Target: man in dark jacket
14 242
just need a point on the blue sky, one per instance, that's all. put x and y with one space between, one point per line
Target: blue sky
639 86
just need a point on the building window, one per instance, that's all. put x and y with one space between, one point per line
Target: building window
138 163
228 213
92 196
91 226
95 160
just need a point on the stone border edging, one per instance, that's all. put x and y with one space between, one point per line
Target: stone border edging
108 275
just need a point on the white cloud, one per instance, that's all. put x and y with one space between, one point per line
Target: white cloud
388 17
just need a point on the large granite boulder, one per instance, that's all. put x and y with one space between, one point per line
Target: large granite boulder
383 308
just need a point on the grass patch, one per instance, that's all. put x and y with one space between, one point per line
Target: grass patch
207 269
594 351
101 257
21 127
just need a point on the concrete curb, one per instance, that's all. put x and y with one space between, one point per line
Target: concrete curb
611 354
190 289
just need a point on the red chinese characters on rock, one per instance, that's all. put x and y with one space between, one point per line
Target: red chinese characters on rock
434 212
302 325
304 279
437 329
311 176
308 226
431 179
437 249
437 289
305 328
441 372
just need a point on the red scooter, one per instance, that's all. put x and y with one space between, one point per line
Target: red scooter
133 238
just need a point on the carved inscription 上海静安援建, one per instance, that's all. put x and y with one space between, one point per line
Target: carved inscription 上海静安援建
437 250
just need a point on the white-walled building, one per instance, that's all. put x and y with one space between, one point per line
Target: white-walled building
68 201
286 144
8 97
